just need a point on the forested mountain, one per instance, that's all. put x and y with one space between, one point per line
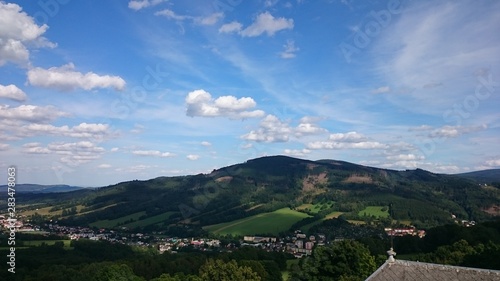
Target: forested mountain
270 183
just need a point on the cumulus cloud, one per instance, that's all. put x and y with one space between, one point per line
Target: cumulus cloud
3 146
141 4
232 27
17 32
93 131
297 152
71 153
272 129
201 103
65 78
264 23
492 163
290 50
30 113
153 153
455 131
210 19
206 143
193 157
12 92
350 140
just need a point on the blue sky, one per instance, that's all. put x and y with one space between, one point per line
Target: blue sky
98 92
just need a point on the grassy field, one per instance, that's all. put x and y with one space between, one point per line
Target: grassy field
149 221
374 211
315 208
46 211
36 243
272 223
332 215
118 221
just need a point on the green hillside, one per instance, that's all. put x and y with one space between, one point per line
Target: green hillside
264 185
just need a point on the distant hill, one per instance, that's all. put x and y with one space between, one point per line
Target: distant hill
324 188
37 188
485 176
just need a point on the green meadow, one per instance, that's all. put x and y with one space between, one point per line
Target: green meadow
265 223
376 211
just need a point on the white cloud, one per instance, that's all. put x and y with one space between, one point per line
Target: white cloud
154 153
309 129
17 31
347 137
35 148
405 157
141 4
201 103
437 44
3 146
31 113
492 163
193 157
350 140
171 15
71 153
104 166
455 131
272 129
64 78
231 27
290 50
12 92
210 19
297 152
266 23
93 131
206 143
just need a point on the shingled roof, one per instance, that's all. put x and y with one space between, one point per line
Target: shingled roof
401 270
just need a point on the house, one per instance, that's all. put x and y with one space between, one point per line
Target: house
401 270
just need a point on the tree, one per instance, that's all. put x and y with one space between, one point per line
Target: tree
218 270
344 260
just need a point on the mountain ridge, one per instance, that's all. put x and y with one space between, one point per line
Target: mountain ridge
269 183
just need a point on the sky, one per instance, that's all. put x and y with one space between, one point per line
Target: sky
94 93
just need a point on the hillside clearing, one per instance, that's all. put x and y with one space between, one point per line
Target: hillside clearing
265 223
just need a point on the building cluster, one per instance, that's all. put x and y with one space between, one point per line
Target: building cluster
19 225
403 231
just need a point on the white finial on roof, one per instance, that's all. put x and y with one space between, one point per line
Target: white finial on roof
391 254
